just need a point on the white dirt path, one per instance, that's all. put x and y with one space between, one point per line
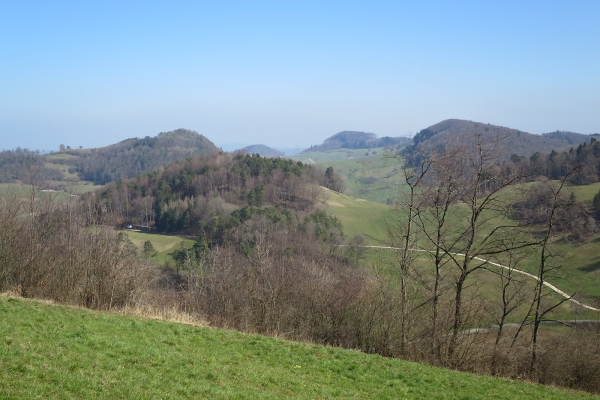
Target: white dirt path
547 284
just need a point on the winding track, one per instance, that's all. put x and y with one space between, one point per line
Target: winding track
549 285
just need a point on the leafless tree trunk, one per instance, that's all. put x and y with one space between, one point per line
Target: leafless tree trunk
511 298
552 211
404 236
441 194
483 214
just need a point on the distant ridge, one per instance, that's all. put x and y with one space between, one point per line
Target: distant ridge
357 140
132 157
517 142
126 159
263 150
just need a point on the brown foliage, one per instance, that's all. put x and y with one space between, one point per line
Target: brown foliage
51 252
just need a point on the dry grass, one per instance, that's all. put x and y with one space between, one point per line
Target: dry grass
165 313
169 313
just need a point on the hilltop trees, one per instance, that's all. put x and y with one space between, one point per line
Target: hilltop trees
133 157
584 160
357 140
180 196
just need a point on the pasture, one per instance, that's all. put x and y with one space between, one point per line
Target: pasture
52 351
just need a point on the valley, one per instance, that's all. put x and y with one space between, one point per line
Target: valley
336 245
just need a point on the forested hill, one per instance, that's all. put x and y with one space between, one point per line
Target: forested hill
133 157
516 142
177 198
551 155
263 150
358 140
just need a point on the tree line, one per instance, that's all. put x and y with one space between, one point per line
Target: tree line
585 158
23 165
126 159
177 198
133 157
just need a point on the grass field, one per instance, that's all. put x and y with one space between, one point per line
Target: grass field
358 216
367 174
22 191
163 244
60 156
64 168
579 274
319 157
14 188
70 187
71 183
483 285
51 351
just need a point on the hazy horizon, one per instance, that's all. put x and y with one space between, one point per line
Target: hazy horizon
291 75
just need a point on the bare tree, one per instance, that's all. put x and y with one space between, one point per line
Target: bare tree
466 175
512 296
403 234
442 192
552 211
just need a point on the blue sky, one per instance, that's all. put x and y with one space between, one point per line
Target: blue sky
292 74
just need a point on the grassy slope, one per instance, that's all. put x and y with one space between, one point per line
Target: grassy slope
371 219
579 265
64 168
72 182
482 285
320 157
358 216
75 187
354 165
22 191
584 258
49 351
163 244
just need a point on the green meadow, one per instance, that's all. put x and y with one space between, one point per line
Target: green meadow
52 351
163 244
367 174
358 216
75 187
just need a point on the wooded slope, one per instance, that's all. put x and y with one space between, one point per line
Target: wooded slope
133 157
358 140
520 143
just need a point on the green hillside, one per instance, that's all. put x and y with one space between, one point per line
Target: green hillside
372 220
163 244
367 174
358 216
581 269
51 351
